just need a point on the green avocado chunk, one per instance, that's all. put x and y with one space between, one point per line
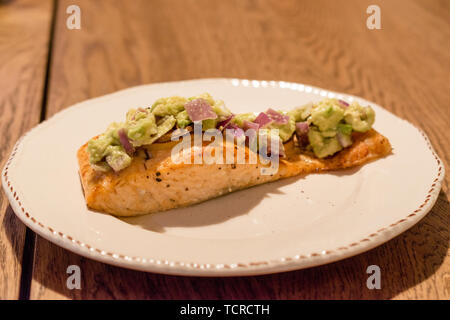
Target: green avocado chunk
326 115
321 145
209 124
168 106
360 118
332 123
117 158
97 148
301 113
285 131
141 128
165 125
240 118
183 119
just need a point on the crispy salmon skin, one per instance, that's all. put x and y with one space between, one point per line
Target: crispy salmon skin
156 183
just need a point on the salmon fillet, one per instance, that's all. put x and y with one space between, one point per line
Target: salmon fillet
155 184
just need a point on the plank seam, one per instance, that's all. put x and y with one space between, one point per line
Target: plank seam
30 237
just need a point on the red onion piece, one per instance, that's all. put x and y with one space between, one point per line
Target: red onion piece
301 131
277 117
250 125
263 120
344 140
140 109
125 142
234 131
343 103
223 124
199 109
302 127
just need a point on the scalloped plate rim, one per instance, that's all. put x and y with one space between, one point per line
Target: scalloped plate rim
191 269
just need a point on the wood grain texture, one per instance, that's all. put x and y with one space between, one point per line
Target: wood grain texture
403 67
24 37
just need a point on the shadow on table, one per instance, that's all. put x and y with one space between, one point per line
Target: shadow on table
405 262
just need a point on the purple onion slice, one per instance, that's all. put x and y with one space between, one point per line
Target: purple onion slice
125 141
263 120
301 131
223 124
250 125
199 109
344 140
343 103
234 131
277 117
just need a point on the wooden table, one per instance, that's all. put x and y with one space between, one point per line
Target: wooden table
405 67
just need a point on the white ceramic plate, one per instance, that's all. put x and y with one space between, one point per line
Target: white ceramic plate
290 224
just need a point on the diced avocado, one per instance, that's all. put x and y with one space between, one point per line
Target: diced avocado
330 127
315 138
344 128
329 133
344 140
240 118
134 115
165 126
327 114
139 131
168 106
344 132
209 124
205 96
97 148
301 113
285 130
323 146
220 109
360 118
117 158
183 119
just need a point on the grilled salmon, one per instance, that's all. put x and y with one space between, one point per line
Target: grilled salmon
154 182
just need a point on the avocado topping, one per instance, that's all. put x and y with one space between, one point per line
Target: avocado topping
324 127
331 123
